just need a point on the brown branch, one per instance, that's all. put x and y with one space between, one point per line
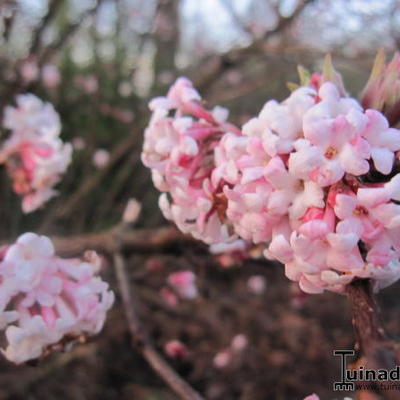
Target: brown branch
66 34
37 35
212 68
371 338
120 239
142 343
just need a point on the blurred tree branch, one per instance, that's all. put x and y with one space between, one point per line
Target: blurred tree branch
140 340
66 34
52 9
120 239
211 69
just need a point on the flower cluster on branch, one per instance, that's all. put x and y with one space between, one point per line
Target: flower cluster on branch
34 154
46 301
300 178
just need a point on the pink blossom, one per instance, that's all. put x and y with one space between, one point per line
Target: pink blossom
34 155
334 126
48 298
132 211
88 83
184 282
101 157
257 284
312 397
176 349
179 151
29 70
280 124
295 180
50 76
239 342
222 359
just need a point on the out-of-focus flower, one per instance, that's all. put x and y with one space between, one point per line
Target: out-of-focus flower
46 300
257 284
50 76
184 282
176 349
34 154
29 71
88 83
222 359
312 397
132 211
169 297
239 342
101 157
78 143
125 89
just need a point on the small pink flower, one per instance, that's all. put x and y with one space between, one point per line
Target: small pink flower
184 282
257 284
29 71
222 359
239 342
132 211
101 157
50 76
176 349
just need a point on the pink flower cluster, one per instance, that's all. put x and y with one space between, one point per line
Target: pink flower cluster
34 155
179 148
47 301
296 178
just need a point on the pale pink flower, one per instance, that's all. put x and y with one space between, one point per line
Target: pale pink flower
29 71
222 359
184 283
101 157
132 211
48 298
50 76
257 284
239 342
32 117
384 141
34 155
88 83
280 124
334 127
179 151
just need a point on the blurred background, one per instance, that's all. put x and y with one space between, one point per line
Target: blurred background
99 62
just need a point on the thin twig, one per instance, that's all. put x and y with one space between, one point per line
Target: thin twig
142 343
